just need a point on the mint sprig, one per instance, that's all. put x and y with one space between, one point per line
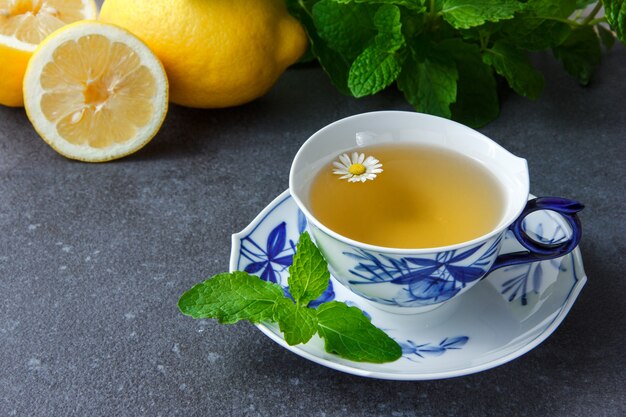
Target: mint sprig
445 55
347 332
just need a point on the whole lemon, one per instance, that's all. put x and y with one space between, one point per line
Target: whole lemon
217 53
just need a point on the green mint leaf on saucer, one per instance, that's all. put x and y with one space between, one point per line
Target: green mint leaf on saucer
513 64
231 297
348 333
464 14
308 275
298 324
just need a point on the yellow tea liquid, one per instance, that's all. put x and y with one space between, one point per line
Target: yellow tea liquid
425 197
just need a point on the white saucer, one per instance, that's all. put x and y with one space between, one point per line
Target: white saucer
501 318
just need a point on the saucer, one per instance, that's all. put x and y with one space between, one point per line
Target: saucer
510 312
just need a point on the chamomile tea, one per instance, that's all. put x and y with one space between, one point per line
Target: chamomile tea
407 196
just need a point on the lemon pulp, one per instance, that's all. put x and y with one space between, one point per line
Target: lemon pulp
96 92
30 21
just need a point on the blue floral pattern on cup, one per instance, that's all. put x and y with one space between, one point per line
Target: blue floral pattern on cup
423 280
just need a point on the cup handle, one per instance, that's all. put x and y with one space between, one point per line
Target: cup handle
538 251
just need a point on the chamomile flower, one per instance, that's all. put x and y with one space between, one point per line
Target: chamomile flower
358 168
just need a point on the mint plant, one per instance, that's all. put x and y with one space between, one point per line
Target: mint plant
444 55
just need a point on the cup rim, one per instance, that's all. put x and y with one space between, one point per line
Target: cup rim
384 249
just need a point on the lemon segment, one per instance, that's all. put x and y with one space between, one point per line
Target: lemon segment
94 92
23 25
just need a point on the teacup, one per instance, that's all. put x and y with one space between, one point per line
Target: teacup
408 281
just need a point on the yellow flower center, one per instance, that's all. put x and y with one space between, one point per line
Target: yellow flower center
356 169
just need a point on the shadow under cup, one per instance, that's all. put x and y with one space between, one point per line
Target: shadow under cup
410 281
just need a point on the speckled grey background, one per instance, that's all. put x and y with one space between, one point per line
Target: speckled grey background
94 257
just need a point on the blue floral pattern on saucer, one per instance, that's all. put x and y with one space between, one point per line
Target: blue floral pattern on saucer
410 348
504 316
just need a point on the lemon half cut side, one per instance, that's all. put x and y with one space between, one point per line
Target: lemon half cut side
23 25
95 92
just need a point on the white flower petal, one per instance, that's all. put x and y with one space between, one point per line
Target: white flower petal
361 158
346 176
355 158
345 159
339 165
370 160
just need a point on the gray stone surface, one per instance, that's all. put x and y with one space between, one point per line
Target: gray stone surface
93 259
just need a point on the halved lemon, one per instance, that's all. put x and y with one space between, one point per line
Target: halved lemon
95 92
23 25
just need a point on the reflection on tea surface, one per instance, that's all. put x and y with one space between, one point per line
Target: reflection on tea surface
425 197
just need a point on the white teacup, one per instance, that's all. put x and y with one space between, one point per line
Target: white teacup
431 276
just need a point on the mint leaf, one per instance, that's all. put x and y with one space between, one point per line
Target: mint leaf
308 275
378 65
535 33
298 324
429 86
334 63
580 53
231 297
551 8
581 4
477 99
464 14
373 71
414 5
346 28
606 36
539 25
350 334
387 21
615 12
514 65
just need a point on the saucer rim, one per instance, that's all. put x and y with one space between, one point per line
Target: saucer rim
533 343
